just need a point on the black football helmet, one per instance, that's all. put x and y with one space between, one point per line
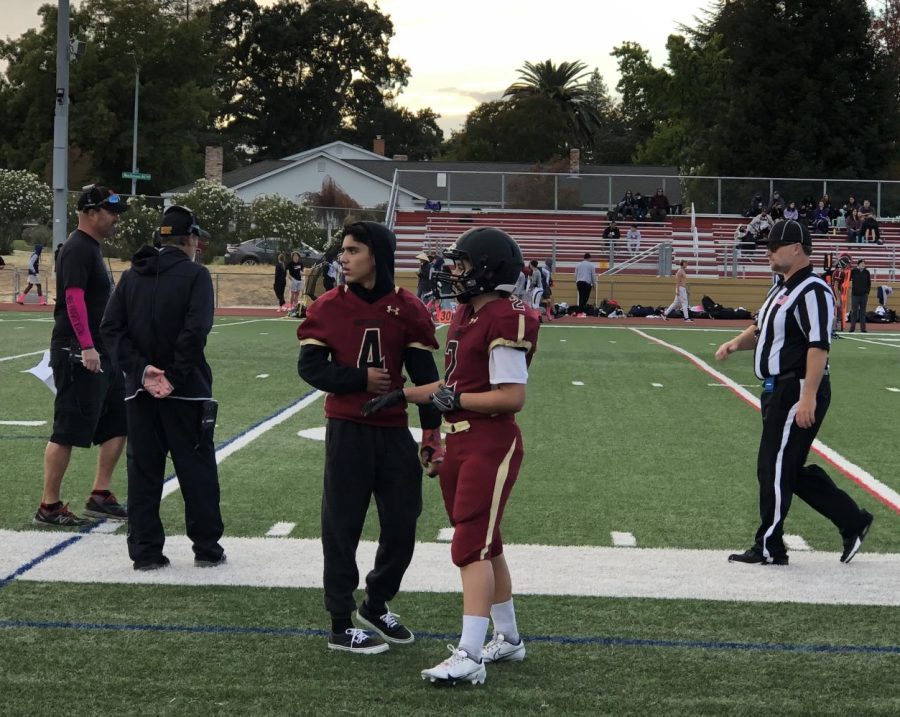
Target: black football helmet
496 263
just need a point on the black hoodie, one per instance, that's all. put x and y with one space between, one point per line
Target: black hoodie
383 244
160 314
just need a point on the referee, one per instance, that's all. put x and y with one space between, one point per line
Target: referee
790 339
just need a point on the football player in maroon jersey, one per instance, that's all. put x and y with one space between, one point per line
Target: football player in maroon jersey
355 342
490 343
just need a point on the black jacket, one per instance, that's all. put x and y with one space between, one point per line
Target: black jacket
160 314
860 282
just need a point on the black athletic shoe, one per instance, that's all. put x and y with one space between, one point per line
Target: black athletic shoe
207 563
357 641
853 543
151 564
60 516
387 625
107 506
755 556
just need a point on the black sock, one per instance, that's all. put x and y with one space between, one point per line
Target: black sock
52 506
373 610
340 624
101 493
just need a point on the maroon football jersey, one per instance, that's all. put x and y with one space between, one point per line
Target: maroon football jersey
472 336
366 335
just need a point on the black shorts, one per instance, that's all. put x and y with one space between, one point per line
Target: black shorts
89 407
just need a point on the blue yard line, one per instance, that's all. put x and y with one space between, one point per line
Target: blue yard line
546 639
59 547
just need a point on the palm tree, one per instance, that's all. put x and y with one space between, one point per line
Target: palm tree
564 84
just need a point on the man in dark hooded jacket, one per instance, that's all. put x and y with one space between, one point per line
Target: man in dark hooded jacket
155 326
355 343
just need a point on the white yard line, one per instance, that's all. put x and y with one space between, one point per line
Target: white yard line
23 423
858 475
870 341
280 530
623 540
33 353
795 542
248 321
812 577
445 535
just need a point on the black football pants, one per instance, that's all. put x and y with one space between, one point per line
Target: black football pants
362 461
783 450
157 427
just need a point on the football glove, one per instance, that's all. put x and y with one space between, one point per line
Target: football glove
445 399
431 452
385 400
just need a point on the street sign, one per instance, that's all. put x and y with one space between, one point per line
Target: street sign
135 175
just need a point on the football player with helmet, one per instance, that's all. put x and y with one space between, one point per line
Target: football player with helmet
490 343
355 343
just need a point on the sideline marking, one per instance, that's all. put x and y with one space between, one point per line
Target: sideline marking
248 321
795 542
587 570
870 341
251 434
281 530
318 433
33 353
623 540
547 639
886 495
23 423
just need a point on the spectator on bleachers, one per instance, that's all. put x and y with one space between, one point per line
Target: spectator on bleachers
791 211
759 226
640 207
613 234
755 207
776 206
659 206
821 219
625 208
633 239
869 224
806 209
853 224
832 211
849 206
585 281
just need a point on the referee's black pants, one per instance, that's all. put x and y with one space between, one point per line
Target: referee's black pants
157 427
362 461
782 473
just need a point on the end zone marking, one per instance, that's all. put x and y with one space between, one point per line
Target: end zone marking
795 542
865 480
280 530
623 540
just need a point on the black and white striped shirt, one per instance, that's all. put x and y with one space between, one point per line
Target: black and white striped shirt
796 315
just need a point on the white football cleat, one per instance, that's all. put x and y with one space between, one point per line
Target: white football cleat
499 649
459 667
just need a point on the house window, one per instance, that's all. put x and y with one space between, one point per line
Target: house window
320 165
442 179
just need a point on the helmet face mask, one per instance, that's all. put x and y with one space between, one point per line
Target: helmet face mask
486 260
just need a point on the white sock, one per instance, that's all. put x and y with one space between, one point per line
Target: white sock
473 633
504 616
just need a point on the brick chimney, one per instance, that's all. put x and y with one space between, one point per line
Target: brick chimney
574 161
213 168
378 145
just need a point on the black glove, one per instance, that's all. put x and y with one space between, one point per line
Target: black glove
445 399
385 400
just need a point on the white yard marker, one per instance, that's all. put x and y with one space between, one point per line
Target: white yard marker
262 375
858 475
18 356
108 527
613 342
263 333
562 341
861 348
795 542
213 332
318 433
445 535
656 385
744 385
23 423
578 383
280 530
623 540
893 390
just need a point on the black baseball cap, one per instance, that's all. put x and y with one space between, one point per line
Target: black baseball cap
789 231
96 196
178 221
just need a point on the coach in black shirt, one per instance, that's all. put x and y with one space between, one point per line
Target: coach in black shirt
156 326
860 286
790 339
89 406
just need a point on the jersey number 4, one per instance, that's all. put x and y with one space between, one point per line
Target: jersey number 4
370 355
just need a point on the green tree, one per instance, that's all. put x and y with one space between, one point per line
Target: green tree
610 143
220 212
564 85
640 85
276 216
415 134
294 74
176 94
23 198
136 227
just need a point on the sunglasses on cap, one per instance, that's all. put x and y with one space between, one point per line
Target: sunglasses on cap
96 199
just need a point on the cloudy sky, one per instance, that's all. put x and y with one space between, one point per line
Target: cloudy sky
468 51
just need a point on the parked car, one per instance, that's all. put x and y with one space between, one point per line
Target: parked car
266 250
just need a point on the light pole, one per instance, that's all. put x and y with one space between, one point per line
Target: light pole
134 136
61 127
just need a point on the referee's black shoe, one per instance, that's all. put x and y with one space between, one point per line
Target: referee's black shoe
755 556
853 542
